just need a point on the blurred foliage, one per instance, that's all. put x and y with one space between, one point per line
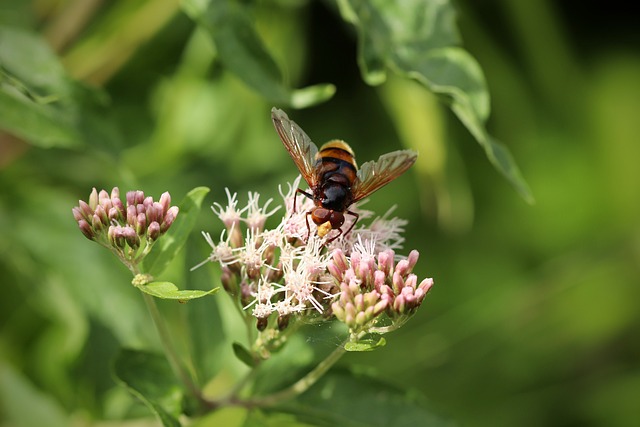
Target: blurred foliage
533 320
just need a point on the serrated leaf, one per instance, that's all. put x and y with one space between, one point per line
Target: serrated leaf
167 290
166 248
346 399
367 344
418 40
241 50
244 354
149 377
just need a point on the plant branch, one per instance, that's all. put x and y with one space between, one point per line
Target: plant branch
172 355
300 386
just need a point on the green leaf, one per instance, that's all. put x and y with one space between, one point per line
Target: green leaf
232 416
241 50
148 376
166 248
331 402
167 290
244 354
418 40
367 344
35 93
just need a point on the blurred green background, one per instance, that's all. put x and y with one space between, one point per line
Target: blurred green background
534 318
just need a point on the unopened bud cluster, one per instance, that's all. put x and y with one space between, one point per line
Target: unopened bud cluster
371 286
129 229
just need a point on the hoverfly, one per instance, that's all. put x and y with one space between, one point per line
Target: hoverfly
333 175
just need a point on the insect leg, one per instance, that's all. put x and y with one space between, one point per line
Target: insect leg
306 217
336 236
295 197
354 222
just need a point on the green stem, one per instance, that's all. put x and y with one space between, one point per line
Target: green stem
169 350
300 386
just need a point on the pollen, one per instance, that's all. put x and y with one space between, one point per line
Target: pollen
324 229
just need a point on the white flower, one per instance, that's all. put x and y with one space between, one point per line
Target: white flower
256 215
222 253
285 268
229 215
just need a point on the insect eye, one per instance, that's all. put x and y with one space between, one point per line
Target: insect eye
322 214
336 219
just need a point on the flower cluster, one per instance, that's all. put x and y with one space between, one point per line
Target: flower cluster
371 286
127 230
288 270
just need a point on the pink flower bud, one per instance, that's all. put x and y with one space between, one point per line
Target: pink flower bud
426 285
165 202
358 301
340 260
385 261
370 298
87 211
171 215
139 197
116 237
399 304
115 193
380 306
85 228
102 195
338 311
106 203
131 237
413 259
350 312
379 279
141 224
77 214
411 282
398 282
364 272
360 318
153 231
93 198
117 203
132 214
355 261
368 313
96 223
102 214
131 198
154 212
148 201
334 270
114 214
402 268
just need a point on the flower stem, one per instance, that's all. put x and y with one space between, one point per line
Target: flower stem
300 386
170 352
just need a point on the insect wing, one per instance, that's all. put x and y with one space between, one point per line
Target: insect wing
373 175
302 150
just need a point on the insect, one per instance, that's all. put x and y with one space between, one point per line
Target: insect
333 175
